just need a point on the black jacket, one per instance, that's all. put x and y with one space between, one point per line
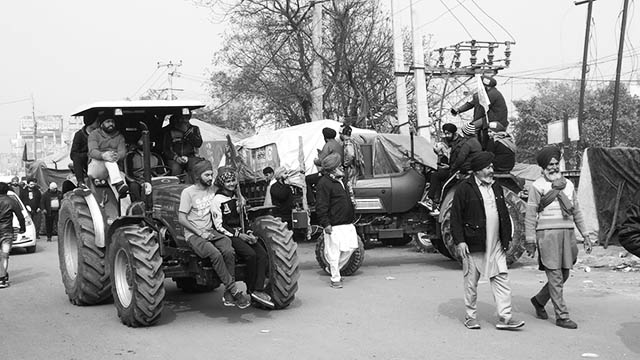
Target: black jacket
461 152
468 219
629 230
282 199
80 147
333 203
497 108
9 207
45 203
32 201
505 159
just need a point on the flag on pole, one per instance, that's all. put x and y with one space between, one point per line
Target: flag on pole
483 98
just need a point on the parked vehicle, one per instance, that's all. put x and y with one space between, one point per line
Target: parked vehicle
26 240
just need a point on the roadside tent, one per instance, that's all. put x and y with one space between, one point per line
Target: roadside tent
214 140
609 179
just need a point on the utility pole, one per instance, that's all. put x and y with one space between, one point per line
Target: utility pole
35 126
172 70
616 92
422 108
585 53
398 62
317 90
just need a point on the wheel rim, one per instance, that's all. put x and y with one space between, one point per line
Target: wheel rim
70 245
122 276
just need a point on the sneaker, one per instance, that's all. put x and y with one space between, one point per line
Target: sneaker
227 299
262 298
241 300
336 284
510 324
122 188
541 313
566 323
4 282
435 212
472 324
428 203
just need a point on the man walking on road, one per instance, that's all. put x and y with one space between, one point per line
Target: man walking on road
195 215
8 208
335 211
30 197
552 211
481 228
50 204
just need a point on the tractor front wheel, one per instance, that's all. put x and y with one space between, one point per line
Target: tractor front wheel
350 267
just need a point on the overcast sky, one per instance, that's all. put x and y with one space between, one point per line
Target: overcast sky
72 52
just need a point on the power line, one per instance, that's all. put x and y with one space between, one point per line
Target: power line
458 20
478 21
492 19
144 83
15 101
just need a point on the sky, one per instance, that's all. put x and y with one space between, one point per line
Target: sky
72 52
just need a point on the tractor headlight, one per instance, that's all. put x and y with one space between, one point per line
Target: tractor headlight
147 188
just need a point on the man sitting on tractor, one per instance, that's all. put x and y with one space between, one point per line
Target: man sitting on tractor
106 147
196 202
227 219
180 144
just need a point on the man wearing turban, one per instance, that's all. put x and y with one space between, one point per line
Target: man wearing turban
335 211
195 216
497 112
552 211
227 219
282 196
331 146
481 229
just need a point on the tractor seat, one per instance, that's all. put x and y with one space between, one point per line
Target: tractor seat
134 166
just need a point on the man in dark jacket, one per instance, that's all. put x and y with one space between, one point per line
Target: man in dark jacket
463 150
501 144
8 208
438 177
80 149
481 229
180 144
497 111
30 197
50 205
15 186
282 196
335 212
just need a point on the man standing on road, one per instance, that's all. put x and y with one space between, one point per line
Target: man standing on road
552 211
30 197
194 214
8 208
15 186
336 215
50 204
481 228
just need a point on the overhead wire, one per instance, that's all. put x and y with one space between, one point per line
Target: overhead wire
15 101
455 17
478 21
144 83
497 23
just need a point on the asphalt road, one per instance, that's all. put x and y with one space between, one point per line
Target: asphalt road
402 304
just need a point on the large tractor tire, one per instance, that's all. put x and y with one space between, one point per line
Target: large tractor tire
83 265
137 280
284 269
348 269
516 207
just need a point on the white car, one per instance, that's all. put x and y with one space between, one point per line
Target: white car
27 240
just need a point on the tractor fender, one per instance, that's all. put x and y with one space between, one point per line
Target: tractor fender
127 220
97 218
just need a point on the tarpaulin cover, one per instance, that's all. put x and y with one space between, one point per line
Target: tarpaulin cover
609 169
282 148
44 175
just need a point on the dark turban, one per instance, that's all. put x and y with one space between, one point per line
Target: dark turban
330 162
225 173
481 160
200 167
545 155
346 130
489 81
449 127
328 133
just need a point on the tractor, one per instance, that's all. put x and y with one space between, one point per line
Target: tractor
124 248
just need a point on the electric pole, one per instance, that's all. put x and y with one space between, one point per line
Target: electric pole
398 62
317 90
422 111
616 92
585 53
35 126
172 70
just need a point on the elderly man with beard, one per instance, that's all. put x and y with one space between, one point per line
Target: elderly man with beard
335 211
106 147
552 211
227 219
195 216
481 229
